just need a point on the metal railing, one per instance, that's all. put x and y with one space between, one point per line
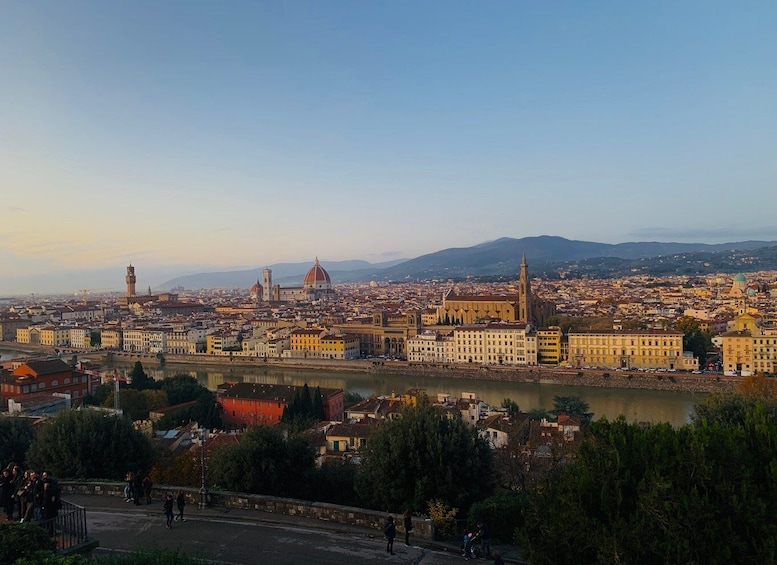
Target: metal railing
68 528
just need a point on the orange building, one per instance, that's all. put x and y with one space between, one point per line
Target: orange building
48 376
246 404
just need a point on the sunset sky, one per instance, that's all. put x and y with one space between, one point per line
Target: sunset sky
197 135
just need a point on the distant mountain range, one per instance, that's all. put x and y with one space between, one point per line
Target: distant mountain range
548 256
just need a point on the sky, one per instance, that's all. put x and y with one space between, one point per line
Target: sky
186 136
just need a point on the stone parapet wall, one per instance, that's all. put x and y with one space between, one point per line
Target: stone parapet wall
265 504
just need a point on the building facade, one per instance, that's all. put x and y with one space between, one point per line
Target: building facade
638 349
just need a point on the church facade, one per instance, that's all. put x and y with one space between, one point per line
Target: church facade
316 286
460 309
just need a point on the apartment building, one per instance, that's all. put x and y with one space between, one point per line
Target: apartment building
431 347
549 345
495 344
637 349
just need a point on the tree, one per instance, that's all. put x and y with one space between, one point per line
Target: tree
89 444
304 410
643 493
140 380
571 406
185 388
95 339
16 436
510 405
425 455
264 462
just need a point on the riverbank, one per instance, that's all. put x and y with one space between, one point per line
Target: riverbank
676 382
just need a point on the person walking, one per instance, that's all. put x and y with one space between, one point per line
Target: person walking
390 531
180 501
408 524
168 506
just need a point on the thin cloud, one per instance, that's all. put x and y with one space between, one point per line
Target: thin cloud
705 233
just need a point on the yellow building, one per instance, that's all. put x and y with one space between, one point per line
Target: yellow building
638 349
340 346
305 343
549 345
749 348
111 338
220 343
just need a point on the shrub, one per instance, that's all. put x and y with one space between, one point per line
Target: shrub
503 514
22 540
443 519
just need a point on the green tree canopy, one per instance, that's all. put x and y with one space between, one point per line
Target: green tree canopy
571 406
425 455
16 435
511 406
264 462
89 444
644 494
139 379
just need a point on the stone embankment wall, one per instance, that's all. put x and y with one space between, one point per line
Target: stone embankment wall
677 382
259 503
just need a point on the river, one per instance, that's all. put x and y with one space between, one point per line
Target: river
635 404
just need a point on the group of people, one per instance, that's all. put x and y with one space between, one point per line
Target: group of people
137 487
390 530
180 502
481 536
27 495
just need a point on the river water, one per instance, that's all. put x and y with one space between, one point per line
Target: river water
635 404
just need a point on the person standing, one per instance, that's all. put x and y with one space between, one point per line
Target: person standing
168 506
23 494
390 531
408 523
180 501
128 495
484 535
137 487
50 504
148 485
6 493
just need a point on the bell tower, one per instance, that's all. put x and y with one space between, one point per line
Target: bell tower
130 279
524 293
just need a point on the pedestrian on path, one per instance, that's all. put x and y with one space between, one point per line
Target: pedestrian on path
390 531
180 500
408 523
168 506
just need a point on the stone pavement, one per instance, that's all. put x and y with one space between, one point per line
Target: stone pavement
144 526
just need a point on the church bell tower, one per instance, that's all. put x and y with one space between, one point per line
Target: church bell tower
130 279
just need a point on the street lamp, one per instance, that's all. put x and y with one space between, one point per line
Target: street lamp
202 435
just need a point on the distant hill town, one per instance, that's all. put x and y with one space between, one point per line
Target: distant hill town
550 256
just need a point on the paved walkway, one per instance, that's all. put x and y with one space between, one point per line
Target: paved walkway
143 521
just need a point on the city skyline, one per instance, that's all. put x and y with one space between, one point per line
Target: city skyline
189 137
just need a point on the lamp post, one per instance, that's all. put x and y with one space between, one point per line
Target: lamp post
202 435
